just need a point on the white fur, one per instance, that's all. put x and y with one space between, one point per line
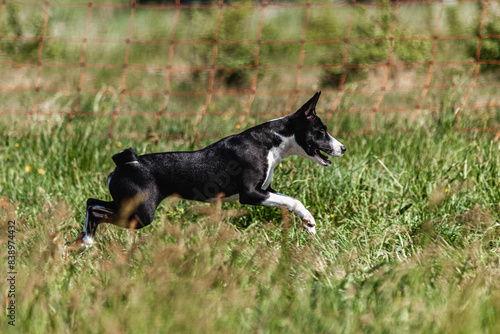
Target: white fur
336 147
87 238
293 205
287 147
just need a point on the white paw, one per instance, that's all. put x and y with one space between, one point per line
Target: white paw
88 240
309 224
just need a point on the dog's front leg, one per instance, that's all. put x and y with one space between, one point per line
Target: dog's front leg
279 200
293 205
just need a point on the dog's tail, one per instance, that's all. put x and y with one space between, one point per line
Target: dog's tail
125 157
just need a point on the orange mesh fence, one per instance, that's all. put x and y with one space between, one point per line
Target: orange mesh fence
135 67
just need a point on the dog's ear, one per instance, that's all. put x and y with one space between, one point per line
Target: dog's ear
309 108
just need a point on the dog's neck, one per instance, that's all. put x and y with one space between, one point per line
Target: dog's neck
287 147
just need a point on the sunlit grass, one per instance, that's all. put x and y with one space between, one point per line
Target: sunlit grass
408 240
408 223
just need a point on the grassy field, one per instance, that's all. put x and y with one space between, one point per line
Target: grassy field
408 236
66 78
408 241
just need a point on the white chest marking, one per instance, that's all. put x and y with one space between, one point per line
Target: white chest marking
273 159
288 146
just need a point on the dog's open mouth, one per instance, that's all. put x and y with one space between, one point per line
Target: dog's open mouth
322 158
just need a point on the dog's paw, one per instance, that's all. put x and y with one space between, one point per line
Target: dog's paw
77 245
309 225
87 241
310 229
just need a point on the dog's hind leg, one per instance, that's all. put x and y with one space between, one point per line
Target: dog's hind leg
132 213
97 212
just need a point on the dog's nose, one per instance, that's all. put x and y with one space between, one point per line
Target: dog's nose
343 149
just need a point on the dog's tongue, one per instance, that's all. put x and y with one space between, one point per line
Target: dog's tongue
324 158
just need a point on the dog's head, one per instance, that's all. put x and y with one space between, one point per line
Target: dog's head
312 135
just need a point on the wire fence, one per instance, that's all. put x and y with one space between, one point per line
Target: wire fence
376 63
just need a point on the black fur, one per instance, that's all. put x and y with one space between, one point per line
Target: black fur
125 156
235 165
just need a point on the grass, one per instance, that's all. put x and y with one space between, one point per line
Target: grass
408 222
408 240
176 54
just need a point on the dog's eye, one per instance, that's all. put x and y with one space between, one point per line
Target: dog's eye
323 131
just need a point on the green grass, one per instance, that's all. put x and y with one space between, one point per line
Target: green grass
408 222
101 86
408 241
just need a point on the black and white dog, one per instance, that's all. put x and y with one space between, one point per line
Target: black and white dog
238 167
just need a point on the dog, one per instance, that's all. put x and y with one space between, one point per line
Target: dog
238 167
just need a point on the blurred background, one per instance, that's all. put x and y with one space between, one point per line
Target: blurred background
408 220
167 68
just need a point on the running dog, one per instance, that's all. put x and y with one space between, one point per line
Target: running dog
238 167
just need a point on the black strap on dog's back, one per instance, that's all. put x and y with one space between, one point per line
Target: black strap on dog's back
125 156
